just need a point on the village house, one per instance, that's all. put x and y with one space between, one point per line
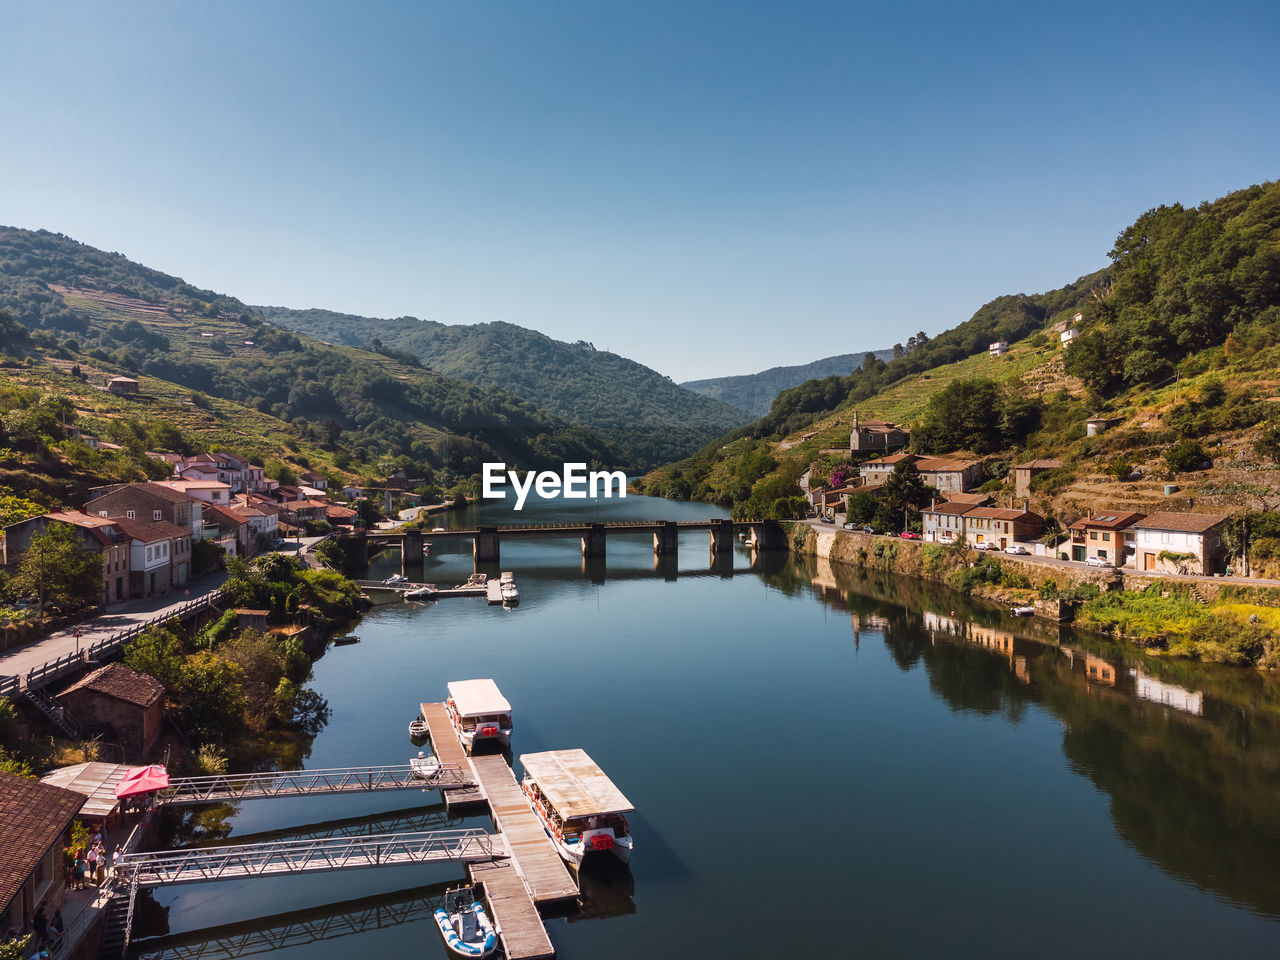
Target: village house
96 533
944 522
1189 542
1068 330
315 480
1107 536
148 503
123 386
340 516
876 435
207 491
878 470
944 474
998 349
35 827
125 706
160 560
1024 472
1002 526
262 515
230 530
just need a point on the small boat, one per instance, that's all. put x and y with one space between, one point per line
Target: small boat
1022 611
742 534
427 592
465 926
478 711
510 594
580 809
418 728
477 580
426 549
394 579
507 577
345 641
424 767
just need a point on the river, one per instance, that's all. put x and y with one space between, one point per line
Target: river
822 763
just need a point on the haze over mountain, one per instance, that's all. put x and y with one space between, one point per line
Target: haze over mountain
634 407
754 392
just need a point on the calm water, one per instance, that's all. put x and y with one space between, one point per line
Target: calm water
803 747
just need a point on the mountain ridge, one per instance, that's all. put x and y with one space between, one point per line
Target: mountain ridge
754 392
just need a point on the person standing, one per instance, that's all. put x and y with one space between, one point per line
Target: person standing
91 864
77 872
41 926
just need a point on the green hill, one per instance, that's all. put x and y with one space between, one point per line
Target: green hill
640 411
754 392
109 315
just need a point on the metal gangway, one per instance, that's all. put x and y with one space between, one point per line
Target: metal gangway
251 937
288 857
300 783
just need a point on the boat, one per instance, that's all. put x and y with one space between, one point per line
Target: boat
465 926
345 641
426 592
424 767
510 594
581 810
394 579
477 580
507 577
478 711
426 549
1022 611
418 728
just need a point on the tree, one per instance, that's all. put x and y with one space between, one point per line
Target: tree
904 492
1185 456
58 571
213 699
157 652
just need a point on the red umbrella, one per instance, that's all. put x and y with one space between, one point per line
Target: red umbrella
139 780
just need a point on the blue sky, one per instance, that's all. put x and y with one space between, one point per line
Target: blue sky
709 188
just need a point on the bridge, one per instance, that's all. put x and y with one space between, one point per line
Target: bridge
299 783
291 857
486 540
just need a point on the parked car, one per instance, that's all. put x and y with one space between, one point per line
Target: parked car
1097 562
908 535
1018 550
988 546
826 520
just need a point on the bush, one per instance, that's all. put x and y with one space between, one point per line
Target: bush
1185 456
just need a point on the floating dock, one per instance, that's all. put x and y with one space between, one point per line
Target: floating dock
493 590
449 750
520 925
440 594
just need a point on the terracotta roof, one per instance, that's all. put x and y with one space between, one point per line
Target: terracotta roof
1184 522
339 512
950 509
122 380
973 499
942 464
155 489
893 458
223 514
118 681
1045 463
194 484
1001 513
33 816
1108 521
152 531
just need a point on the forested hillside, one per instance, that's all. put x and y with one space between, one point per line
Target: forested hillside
754 392
1178 354
637 409
107 316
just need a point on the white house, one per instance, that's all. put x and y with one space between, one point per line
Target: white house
159 558
1190 542
207 491
999 348
944 522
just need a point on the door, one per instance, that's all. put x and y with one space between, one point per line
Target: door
1148 561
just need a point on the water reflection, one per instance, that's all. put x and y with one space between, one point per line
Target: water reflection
1188 753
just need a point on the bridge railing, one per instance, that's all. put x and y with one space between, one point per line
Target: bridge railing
557 526
244 786
309 856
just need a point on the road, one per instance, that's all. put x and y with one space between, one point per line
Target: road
1081 565
111 621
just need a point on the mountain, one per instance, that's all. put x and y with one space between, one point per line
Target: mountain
754 392
1177 351
635 408
107 315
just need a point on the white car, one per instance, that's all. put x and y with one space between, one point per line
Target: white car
1018 551
1097 562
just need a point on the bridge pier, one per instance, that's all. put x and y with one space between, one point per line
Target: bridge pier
411 554
769 535
484 548
593 568
593 541
667 565
722 537
722 563
666 539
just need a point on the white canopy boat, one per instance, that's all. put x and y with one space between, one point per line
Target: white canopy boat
510 594
580 808
479 711
465 926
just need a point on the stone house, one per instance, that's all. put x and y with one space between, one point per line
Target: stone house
96 533
123 386
148 503
876 435
947 475
224 524
35 826
1002 526
1196 534
316 480
1107 536
944 522
1024 472
128 706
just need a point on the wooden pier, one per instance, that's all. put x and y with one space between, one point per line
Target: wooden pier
450 752
517 919
403 588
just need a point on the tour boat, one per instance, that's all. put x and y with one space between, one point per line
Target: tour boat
479 711
580 808
418 728
510 594
424 767
465 927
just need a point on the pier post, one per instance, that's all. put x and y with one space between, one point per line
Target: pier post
666 539
484 548
667 566
722 537
722 563
411 553
769 535
593 568
593 541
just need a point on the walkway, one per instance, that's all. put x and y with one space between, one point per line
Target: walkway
300 783
449 751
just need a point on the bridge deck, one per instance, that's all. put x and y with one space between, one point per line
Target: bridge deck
451 753
533 855
520 927
453 775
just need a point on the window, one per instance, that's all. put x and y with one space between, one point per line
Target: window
148 553
129 514
1106 538
1093 534
156 515
102 513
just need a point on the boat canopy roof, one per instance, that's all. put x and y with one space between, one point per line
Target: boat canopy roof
574 784
473 698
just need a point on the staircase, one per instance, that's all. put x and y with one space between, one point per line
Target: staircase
116 929
55 714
